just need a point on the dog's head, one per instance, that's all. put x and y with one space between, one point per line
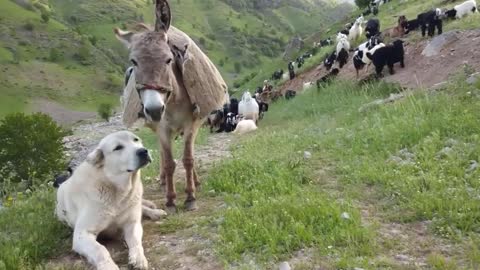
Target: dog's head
119 153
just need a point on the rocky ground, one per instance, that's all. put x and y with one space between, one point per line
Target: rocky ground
428 63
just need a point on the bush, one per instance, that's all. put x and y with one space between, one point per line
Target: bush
32 150
55 55
45 17
362 3
93 40
105 111
29 26
238 67
84 53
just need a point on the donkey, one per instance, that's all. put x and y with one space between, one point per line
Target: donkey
167 103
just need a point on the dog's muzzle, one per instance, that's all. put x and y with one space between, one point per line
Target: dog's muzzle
144 157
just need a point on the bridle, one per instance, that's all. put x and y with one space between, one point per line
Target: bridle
141 87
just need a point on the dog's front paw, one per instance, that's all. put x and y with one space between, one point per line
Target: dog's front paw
107 265
138 261
156 214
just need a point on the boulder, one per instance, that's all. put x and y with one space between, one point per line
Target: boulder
436 45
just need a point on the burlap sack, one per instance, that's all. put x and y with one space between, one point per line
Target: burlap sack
201 78
131 102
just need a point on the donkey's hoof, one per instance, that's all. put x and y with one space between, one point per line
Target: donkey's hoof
191 205
171 208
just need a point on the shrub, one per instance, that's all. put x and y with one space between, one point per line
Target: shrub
32 149
29 26
55 55
105 111
362 3
238 67
84 53
93 40
45 17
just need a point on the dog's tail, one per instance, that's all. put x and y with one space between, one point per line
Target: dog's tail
60 179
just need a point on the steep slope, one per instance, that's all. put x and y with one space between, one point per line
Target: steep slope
64 50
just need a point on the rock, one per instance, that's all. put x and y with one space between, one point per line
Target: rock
451 142
284 266
345 215
474 78
436 45
439 86
378 102
402 258
295 45
307 155
473 166
445 152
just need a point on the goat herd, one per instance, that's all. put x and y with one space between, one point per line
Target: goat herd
243 116
374 50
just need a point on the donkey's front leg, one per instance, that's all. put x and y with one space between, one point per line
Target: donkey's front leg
163 181
168 167
188 164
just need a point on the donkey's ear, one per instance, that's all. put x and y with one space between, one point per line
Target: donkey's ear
124 36
96 158
163 16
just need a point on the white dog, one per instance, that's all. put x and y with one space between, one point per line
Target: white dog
104 196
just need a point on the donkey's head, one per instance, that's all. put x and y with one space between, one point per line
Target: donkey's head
153 59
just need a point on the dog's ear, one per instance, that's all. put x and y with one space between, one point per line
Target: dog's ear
96 158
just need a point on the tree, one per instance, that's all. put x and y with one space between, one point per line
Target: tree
105 111
362 3
32 149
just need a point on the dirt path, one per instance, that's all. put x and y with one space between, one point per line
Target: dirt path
176 242
59 113
460 49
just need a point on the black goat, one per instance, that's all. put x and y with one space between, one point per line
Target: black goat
372 28
329 60
429 21
290 94
325 80
388 55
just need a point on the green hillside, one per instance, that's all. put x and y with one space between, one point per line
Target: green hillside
64 50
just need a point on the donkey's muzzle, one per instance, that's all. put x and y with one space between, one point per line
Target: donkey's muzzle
155 113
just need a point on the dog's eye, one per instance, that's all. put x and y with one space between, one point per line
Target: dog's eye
136 139
118 148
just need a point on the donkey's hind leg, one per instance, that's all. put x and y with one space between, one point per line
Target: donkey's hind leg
189 164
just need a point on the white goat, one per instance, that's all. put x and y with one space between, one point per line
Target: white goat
307 85
463 9
342 43
357 30
245 126
248 107
341 36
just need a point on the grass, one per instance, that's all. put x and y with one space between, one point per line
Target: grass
277 203
29 231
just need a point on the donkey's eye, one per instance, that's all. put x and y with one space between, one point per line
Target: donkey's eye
118 148
134 62
169 61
